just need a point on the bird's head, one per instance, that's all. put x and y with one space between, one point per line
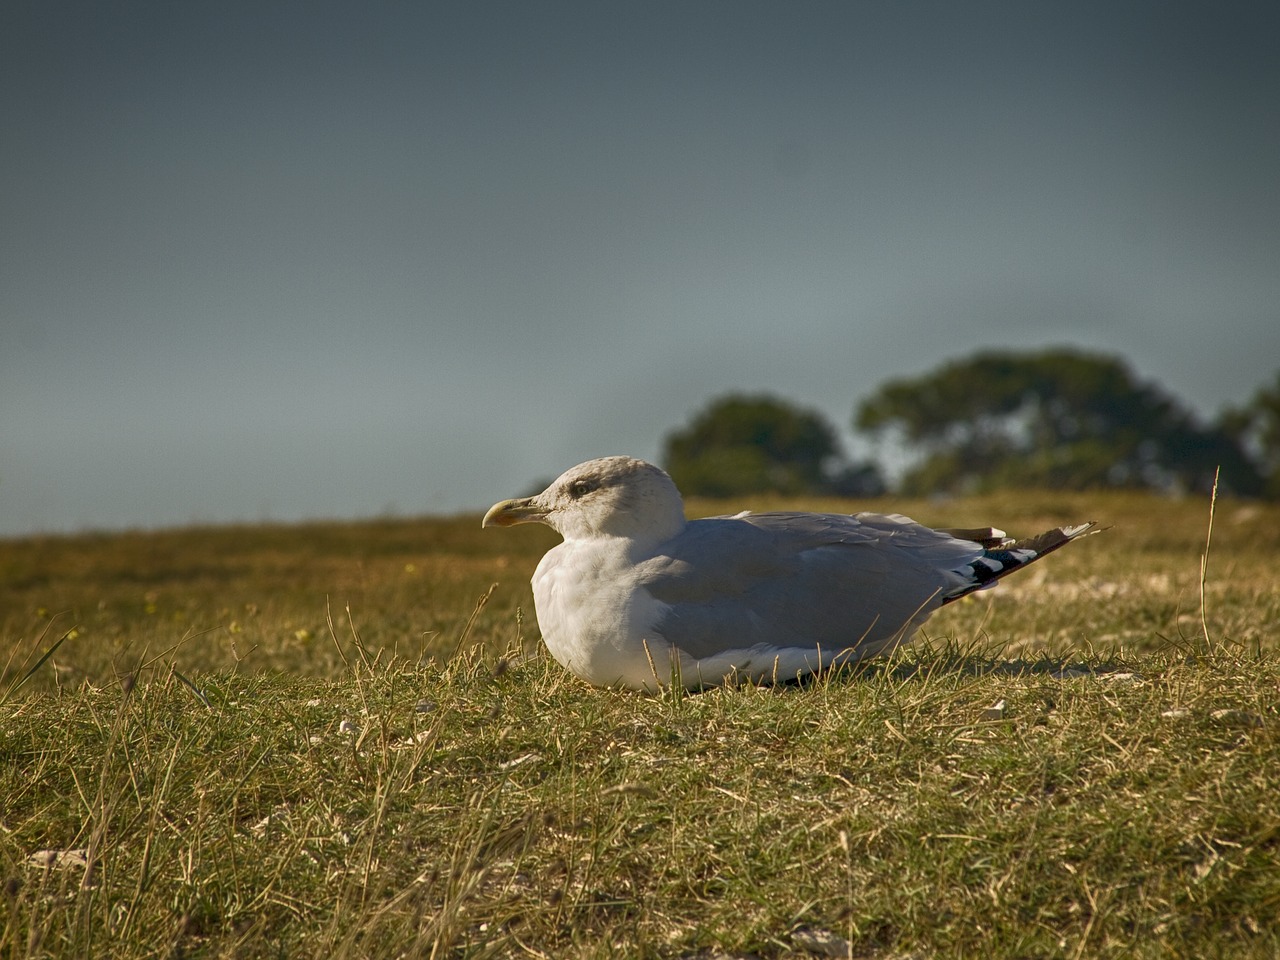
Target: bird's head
609 497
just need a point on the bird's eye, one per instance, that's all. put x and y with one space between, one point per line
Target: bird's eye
580 488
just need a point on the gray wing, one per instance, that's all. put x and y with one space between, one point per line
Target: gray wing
802 580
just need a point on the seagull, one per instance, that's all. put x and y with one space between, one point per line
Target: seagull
639 597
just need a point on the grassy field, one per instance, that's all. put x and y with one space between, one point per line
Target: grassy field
341 740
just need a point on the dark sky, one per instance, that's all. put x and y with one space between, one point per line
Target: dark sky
272 261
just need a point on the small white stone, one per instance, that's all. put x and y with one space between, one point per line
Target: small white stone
422 736
520 761
824 943
1238 718
49 859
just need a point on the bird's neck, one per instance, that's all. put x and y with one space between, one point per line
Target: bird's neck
638 542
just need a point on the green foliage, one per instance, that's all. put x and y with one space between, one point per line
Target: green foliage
744 444
1256 426
1059 419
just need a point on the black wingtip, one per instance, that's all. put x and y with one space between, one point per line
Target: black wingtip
997 563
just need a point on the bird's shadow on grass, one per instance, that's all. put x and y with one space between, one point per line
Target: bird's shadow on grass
934 662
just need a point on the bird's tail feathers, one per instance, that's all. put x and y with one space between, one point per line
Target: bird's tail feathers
1001 556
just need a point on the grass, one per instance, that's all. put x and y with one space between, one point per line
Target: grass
337 740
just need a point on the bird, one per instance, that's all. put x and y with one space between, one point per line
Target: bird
636 596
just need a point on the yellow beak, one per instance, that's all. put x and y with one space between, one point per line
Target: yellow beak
508 513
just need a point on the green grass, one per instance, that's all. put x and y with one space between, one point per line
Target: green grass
258 742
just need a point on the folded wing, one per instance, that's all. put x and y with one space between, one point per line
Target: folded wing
803 580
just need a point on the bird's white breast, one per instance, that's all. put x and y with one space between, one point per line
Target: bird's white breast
595 618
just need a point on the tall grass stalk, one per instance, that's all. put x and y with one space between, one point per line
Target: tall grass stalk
1204 566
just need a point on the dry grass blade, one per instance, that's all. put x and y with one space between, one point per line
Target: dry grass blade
196 691
471 620
1204 565
21 681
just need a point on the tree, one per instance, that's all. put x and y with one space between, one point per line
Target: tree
1059 418
754 443
1256 427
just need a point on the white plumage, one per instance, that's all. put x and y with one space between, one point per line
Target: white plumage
636 596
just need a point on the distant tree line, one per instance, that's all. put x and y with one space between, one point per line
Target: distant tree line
1058 419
